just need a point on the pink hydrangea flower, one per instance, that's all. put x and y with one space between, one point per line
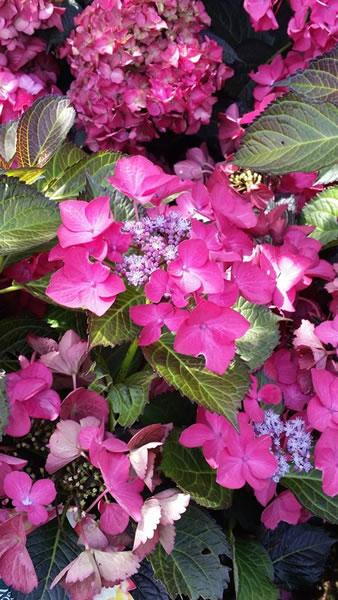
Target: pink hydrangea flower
82 403
283 368
83 222
141 180
30 497
114 519
192 270
322 410
211 331
328 332
126 491
30 396
7 465
152 317
16 567
246 458
64 357
261 14
146 95
65 444
284 508
210 432
254 284
144 448
83 284
326 459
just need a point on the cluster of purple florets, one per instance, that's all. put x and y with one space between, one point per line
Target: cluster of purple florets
156 240
291 443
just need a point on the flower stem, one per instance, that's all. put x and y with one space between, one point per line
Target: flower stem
12 288
126 363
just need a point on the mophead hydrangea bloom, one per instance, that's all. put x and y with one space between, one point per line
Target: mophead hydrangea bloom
19 17
141 68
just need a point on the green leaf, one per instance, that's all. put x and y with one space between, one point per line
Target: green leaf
27 175
190 471
322 212
73 181
127 400
42 129
67 156
262 337
115 326
253 571
307 487
219 393
291 135
8 142
318 82
51 550
26 217
13 334
193 569
3 404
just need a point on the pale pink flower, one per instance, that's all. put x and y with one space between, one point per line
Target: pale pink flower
144 448
328 332
30 497
211 331
85 576
16 567
64 444
81 403
158 515
68 355
261 14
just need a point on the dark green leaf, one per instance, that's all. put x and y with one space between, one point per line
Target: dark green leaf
127 400
26 217
291 135
218 393
193 569
147 587
42 129
307 487
253 571
318 82
298 552
115 326
262 337
13 334
190 471
170 407
37 288
322 212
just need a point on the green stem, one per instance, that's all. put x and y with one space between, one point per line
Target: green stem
126 363
11 288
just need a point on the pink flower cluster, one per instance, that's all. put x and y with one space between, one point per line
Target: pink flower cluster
21 18
111 553
142 68
194 258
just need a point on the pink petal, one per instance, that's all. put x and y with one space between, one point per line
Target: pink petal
17 485
17 570
150 519
114 519
43 491
173 504
116 566
37 514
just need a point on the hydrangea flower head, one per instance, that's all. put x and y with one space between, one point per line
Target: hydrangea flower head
148 62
